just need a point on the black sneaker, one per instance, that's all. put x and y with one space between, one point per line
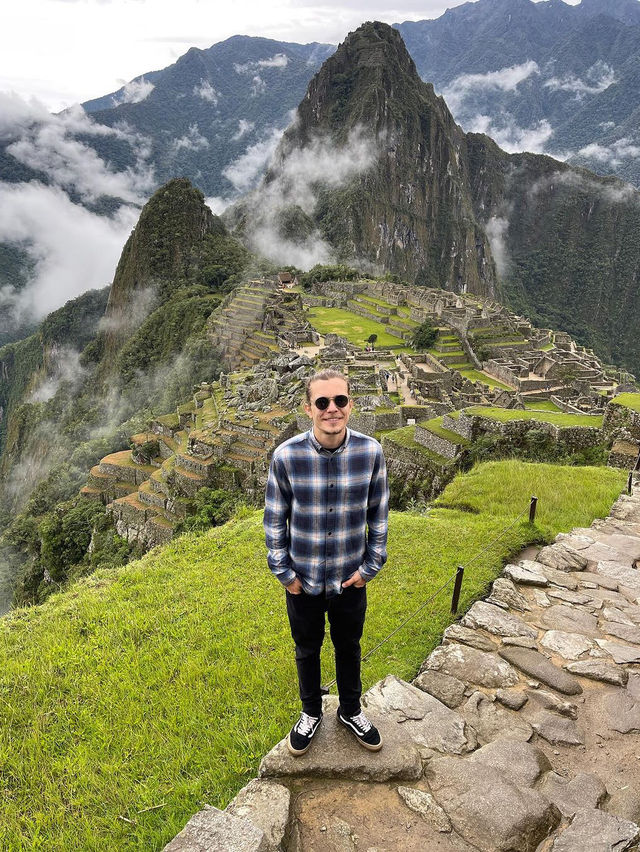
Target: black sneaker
302 733
363 730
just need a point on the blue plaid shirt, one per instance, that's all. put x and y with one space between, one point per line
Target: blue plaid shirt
326 512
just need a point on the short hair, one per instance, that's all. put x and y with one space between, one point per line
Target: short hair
322 376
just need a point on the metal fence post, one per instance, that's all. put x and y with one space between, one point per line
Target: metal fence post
630 482
532 509
456 589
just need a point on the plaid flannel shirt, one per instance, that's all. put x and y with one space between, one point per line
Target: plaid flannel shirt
326 512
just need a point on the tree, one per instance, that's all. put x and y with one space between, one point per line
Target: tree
424 336
372 339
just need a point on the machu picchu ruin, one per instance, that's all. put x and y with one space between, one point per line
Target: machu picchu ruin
489 375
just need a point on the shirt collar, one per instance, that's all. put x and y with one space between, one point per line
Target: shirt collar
319 448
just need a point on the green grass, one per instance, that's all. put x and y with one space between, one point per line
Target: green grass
542 405
477 376
435 425
405 438
629 400
354 327
161 684
504 415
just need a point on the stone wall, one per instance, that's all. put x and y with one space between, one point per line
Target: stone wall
435 443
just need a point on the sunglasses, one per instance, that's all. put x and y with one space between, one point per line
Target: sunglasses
322 402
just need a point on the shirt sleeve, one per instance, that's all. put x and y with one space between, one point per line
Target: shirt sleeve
377 520
277 510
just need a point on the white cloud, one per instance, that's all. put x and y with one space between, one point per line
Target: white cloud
259 87
134 92
505 80
193 140
496 230
48 143
217 204
73 250
64 369
244 127
295 181
509 136
614 154
612 191
598 78
280 60
205 90
244 171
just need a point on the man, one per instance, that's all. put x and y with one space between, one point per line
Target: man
326 531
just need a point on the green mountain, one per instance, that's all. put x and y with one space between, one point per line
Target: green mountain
423 200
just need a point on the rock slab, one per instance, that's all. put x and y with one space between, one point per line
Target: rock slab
538 666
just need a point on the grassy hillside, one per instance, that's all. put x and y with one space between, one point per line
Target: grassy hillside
142 693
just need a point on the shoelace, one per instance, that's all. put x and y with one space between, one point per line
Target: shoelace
362 722
305 724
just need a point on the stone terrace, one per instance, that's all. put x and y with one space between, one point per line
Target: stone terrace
521 731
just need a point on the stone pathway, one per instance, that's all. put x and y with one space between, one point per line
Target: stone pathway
521 731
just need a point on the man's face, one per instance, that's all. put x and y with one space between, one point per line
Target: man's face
332 422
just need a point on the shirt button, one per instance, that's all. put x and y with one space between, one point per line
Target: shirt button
331 486
331 510
329 533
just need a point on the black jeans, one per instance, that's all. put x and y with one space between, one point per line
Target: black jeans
346 619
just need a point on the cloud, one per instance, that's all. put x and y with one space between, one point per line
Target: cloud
193 140
205 90
614 154
48 143
598 78
64 369
133 92
610 190
280 60
217 204
496 230
73 250
259 87
244 127
505 80
294 182
244 171
509 136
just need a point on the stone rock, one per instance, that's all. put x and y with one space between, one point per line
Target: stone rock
601 581
620 653
569 619
538 666
630 633
494 620
505 594
557 730
519 642
472 666
336 754
597 670
423 720
548 701
563 579
444 687
458 633
424 804
511 699
613 614
623 574
625 803
520 763
210 830
561 557
622 711
525 574
568 645
633 684
596 831
568 596
541 598
583 791
266 804
487 809
492 722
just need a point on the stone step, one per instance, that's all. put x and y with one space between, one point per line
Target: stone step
147 494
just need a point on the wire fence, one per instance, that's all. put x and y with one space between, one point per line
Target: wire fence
455 579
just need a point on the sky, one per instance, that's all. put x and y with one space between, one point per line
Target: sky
61 52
